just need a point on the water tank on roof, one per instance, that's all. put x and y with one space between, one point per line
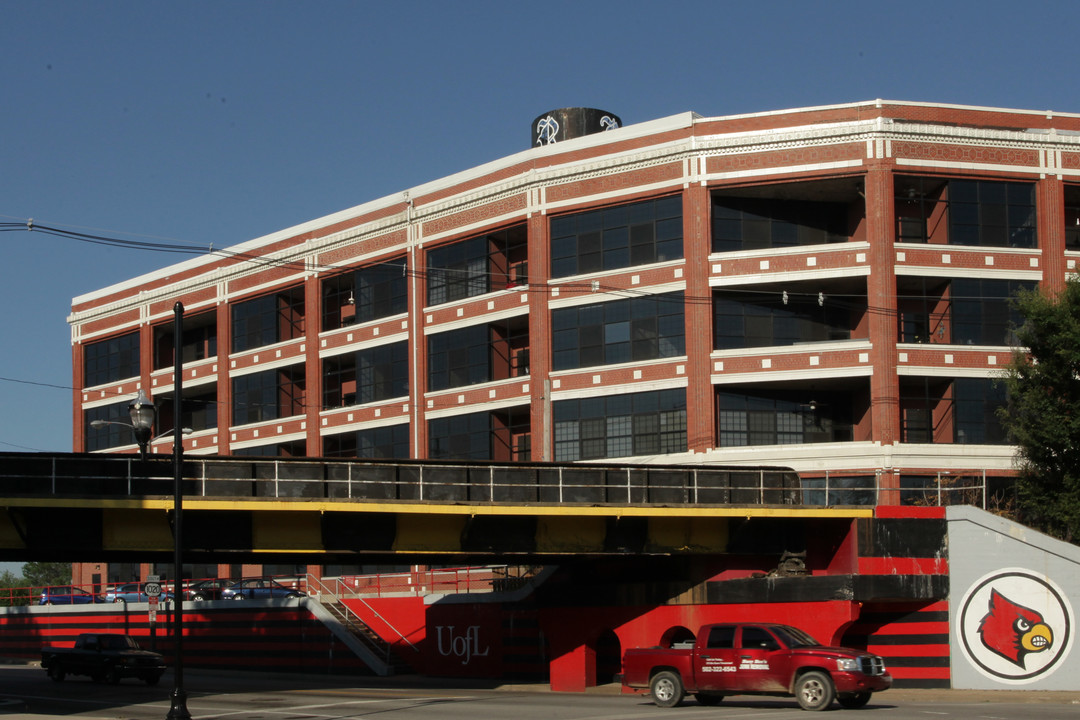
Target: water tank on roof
558 125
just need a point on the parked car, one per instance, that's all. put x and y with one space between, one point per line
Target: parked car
206 589
67 595
131 592
104 657
258 589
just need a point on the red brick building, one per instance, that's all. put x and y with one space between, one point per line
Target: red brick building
823 288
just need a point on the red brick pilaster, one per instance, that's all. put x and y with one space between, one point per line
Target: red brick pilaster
1050 209
224 384
417 294
313 393
542 427
881 299
78 427
697 242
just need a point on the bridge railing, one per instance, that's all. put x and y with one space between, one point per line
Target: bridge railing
93 475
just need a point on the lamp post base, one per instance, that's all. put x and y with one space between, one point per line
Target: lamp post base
178 710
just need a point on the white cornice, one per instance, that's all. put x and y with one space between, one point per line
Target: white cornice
531 177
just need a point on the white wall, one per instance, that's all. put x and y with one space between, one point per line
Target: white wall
1007 582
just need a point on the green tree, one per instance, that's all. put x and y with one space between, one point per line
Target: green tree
1043 411
9 582
41 574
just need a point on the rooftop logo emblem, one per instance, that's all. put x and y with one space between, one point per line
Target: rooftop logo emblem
1015 626
547 131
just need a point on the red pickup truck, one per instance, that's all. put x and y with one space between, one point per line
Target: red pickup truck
756 659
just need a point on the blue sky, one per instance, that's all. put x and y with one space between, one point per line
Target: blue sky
218 122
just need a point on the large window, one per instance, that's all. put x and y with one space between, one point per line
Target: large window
268 319
198 411
977 401
268 395
388 441
199 340
476 266
741 223
612 426
498 436
974 212
110 360
742 320
924 409
296 448
982 311
768 419
479 353
1072 217
617 237
364 295
635 329
110 435
365 376
998 214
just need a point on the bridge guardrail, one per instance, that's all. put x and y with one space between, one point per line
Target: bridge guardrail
94 475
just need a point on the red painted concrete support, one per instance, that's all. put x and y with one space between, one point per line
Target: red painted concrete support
574 670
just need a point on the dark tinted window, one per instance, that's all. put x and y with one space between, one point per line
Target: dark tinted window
977 402
617 237
764 319
388 441
722 637
110 360
998 214
365 294
643 328
268 395
758 638
476 266
268 319
982 311
367 375
756 223
646 423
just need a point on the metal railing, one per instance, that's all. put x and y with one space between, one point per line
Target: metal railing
93 475
330 591
113 476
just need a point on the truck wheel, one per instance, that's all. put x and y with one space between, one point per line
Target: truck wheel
814 690
853 701
151 679
112 675
56 672
667 689
708 699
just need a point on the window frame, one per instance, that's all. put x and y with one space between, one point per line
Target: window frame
112 359
644 232
619 331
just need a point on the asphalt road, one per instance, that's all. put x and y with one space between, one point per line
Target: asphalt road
26 692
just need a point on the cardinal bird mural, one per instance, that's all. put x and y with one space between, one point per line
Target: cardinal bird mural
1014 631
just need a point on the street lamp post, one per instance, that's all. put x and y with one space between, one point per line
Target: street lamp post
178 706
143 414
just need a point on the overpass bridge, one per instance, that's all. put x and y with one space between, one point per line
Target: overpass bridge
116 508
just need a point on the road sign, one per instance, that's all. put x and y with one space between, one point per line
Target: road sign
152 590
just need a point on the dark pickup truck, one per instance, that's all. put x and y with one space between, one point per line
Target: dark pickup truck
756 659
103 657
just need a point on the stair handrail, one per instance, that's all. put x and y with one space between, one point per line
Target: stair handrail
312 580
